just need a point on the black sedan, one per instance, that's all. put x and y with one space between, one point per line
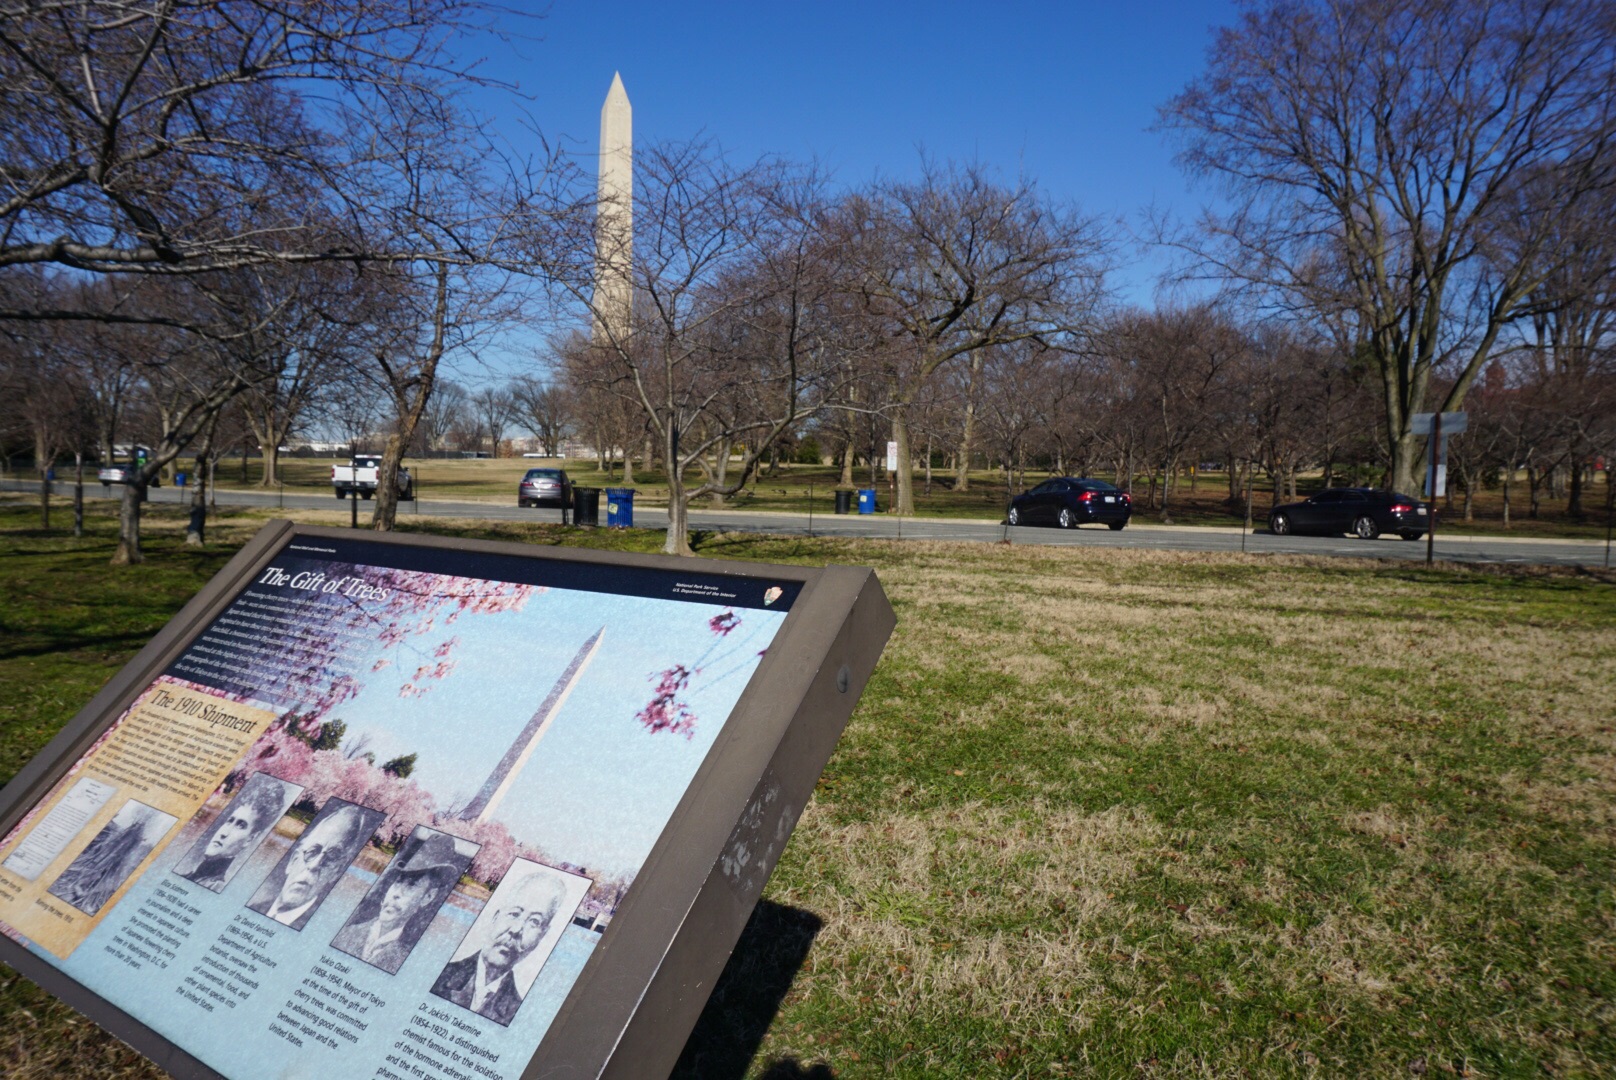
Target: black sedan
1070 502
1364 512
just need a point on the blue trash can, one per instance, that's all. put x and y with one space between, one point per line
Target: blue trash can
619 508
179 479
866 500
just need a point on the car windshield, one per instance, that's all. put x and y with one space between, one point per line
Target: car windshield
542 474
1399 497
1096 485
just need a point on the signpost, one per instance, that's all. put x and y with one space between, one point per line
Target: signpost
586 765
1437 427
892 476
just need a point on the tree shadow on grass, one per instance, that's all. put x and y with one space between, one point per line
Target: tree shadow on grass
747 997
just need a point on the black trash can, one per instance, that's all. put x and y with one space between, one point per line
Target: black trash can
585 506
844 501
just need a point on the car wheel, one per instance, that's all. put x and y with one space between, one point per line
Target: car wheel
1117 526
1014 517
342 494
1067 521
1412 535
1365 528
367 495
1280 525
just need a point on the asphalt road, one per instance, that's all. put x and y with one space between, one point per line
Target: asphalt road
1457 547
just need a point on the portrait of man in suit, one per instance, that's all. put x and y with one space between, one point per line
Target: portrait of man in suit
398 909
300 881
529 909
236 833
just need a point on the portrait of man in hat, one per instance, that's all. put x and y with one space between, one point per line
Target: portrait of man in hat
401 905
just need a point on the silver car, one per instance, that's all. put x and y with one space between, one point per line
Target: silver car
544 487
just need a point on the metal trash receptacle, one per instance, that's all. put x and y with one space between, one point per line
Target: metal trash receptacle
866 500
844 502
619 508
585 506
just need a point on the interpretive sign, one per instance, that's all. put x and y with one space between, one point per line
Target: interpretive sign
405 807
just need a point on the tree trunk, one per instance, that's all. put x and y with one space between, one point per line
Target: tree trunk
44 461
385 515
906 478
1574 495
1509 472
847 465
678 539
720 472
1169 478
78 493
962 477
129 553
196 528
1407 459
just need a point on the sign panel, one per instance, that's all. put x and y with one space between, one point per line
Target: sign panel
1453 423
374 806
892 455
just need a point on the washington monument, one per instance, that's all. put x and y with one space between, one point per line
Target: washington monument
499 781
614 218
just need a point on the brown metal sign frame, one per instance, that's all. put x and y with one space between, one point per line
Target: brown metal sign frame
641 991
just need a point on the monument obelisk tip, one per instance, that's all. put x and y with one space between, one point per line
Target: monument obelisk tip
614 220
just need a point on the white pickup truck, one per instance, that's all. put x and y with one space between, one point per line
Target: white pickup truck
359 475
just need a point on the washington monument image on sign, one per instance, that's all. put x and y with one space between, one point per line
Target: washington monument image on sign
510 765
614 218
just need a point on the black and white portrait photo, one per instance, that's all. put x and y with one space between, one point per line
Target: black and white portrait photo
506 947
221 851
122 845
390 920
306 873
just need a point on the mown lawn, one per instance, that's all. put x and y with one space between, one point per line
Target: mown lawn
1101 813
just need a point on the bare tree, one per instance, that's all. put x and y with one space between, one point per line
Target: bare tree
497 410
546 409
1374 147
957 263
445 412
184 137
729 339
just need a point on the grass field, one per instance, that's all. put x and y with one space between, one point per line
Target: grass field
794 488
1099 813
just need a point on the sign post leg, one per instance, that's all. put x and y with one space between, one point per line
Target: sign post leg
1430 535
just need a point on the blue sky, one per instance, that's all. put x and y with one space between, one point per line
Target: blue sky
599 788
1062 92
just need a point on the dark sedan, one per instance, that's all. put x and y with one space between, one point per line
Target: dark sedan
1363 512
1070 502
544 487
